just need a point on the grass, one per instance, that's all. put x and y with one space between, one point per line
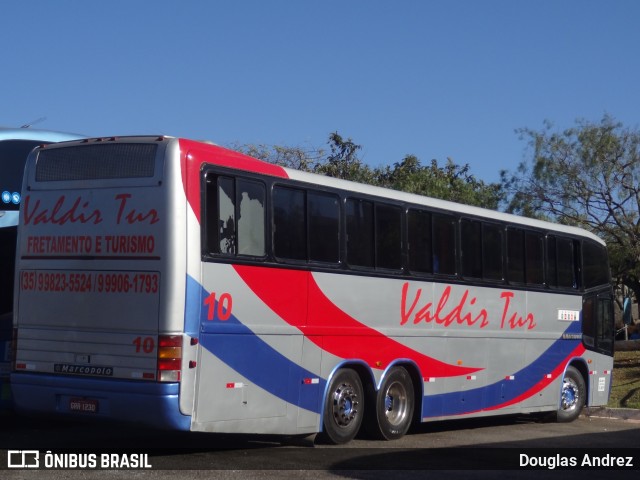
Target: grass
625 391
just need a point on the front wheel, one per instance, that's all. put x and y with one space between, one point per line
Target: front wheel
572 395
343 408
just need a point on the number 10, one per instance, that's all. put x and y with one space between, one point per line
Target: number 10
220 310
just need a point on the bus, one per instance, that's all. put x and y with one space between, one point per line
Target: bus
185 286
15 145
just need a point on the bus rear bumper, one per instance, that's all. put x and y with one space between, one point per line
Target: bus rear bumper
152 404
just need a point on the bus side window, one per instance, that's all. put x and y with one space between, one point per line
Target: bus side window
534 260
515 255
388 237
588 322
324 227
419 233
251 217
444 244
360 236
595 264
219 216
492 239
566 263
226 216
234 216
471 248
289 229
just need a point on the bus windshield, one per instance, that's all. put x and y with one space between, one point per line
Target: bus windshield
13 154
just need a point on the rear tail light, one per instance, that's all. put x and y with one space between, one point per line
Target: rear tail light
169 358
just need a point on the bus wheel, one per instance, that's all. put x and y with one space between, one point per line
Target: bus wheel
394 405
572 395
344 407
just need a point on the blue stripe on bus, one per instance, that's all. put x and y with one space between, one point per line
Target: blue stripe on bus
491 396
246 353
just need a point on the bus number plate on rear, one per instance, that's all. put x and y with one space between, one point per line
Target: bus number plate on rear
83 405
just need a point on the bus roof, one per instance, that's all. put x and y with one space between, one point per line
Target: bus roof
253 165
439 204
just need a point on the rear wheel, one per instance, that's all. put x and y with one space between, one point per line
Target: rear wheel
394 405
343 408
572 395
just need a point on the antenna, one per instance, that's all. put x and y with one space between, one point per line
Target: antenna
30 124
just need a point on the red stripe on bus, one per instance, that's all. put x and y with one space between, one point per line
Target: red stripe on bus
544 383
327 326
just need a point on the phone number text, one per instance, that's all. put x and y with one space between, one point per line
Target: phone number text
89 282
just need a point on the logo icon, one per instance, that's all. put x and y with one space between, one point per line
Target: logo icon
6 197
15 198
23 458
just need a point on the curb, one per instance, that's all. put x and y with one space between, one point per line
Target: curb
631 414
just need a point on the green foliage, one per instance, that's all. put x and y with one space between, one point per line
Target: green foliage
588 176
343 161
449 182
625 389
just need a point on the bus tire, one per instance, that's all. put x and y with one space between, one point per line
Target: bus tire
572 395
343 408
394 405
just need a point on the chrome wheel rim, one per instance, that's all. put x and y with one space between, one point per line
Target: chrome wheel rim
345 404
396 403
570 395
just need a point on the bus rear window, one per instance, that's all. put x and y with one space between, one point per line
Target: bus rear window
96 162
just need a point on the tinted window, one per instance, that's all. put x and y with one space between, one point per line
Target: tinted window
560 262
13 156
598 323
605 329
492 252
566 263
444 244
471 245
552 269
515 255
324 227
533 259
595 265
289 229
360 233
419 231
589 321
388 237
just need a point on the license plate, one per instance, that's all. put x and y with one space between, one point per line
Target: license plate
83 405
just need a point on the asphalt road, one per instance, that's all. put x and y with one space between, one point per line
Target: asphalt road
455 449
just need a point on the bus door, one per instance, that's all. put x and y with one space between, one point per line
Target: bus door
598 332
248 358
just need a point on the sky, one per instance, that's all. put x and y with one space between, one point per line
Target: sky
437 79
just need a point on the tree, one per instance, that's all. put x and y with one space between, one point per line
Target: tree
343 161
299 158
450 182
587 176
